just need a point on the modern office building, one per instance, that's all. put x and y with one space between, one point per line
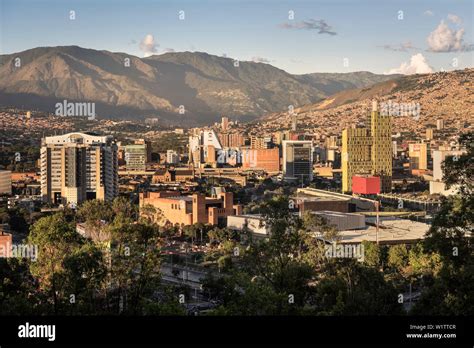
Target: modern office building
136 157
368 151
381 132
78 166
147 144
172 157
298 160
200 144
356 155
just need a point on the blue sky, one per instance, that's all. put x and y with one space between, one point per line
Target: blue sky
322 33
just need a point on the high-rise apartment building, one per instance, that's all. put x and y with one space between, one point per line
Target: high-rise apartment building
294 122
368 151
147 146
78 166
298 160
224 123
257 142
232 139
172 157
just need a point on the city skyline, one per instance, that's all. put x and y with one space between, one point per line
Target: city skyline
288 162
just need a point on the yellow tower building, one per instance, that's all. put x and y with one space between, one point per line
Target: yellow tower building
368 151
381 132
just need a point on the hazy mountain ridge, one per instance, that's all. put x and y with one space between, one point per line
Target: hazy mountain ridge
206 85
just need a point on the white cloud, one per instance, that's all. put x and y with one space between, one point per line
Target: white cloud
455 19
148 45
445 39
261 60
417 65
428 13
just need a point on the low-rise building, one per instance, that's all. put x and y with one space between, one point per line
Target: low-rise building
342 221
252 222
172 175
172 207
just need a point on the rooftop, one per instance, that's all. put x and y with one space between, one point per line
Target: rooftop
392 231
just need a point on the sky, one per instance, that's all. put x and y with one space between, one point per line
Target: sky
402 36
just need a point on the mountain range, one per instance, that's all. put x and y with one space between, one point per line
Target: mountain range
124 86
443 95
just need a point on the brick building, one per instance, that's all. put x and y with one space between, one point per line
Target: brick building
265 159
188 210
172 175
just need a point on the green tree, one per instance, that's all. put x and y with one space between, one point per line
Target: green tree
450 236
372 254
66 264
398 257
135 264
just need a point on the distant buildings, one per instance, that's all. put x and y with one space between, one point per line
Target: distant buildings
6 240
440 124
429 133
368 151
259 142
224 123
172 157
5 182
294 122
394 149
418 154
78 166
298 160
136 157
172 175
233 140
173 208
263 159
437 186
153 121
204 146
